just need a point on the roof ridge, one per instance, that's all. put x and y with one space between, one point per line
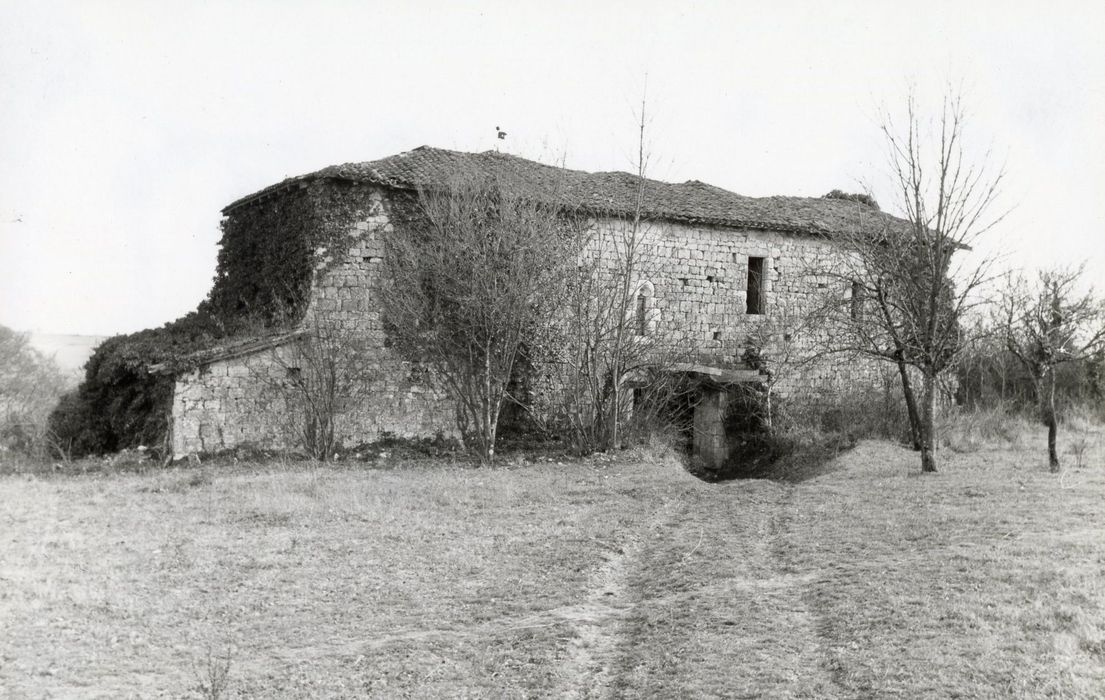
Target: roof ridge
608 193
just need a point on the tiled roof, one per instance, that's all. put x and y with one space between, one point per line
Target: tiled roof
612 193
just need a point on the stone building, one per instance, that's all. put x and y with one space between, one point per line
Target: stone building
721 264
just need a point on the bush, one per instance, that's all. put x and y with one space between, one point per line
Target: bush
30 384
806 435
968 430
120 404
989 377
20 432
861 198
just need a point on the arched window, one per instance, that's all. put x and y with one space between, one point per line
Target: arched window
643 309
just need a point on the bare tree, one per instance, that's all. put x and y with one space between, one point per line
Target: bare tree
913 279
1047 323
471 283
611 349
317 375
610 336
627 254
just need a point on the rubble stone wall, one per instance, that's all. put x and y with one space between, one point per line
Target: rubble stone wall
230 403
694 279
239 401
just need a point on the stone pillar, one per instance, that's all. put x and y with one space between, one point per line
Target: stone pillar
710 444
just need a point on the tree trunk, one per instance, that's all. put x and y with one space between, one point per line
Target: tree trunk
1052 424
490 411
928 430
911 406
768 418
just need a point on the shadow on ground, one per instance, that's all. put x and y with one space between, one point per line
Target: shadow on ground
783 458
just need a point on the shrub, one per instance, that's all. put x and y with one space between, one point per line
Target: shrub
848 196
806 435
30 384
120 404
968 430
989 377
19 432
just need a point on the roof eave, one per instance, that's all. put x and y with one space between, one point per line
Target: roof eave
302 181
203 358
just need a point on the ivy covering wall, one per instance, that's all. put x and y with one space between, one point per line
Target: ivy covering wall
120 404
267 256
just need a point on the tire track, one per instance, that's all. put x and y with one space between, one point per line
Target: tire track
805 623
588 671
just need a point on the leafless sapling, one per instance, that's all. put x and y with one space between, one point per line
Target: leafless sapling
471 283
914 271
1046 323
318 374
612 345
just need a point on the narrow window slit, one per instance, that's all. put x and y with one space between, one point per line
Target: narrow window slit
859 295
755 296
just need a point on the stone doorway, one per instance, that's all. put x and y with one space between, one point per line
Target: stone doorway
716 386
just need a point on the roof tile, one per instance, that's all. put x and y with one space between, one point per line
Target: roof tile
611 193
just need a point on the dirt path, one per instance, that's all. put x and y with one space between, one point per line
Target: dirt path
696 598
702 598
599 628
800 616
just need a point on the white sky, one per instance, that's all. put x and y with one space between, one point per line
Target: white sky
125 127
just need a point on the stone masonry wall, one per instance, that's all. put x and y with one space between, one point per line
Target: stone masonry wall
233 402
695 279
398 397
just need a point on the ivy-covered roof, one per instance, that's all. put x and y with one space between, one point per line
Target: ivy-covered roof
225 349
606 193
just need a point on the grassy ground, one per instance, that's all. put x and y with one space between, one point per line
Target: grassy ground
572 580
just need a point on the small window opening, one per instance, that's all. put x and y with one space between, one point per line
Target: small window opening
710 278
642 322
683 280
717 335
755 285
859 296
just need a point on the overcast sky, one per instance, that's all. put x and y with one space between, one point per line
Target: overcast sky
125 127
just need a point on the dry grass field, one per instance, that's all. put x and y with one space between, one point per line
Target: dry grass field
620 578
